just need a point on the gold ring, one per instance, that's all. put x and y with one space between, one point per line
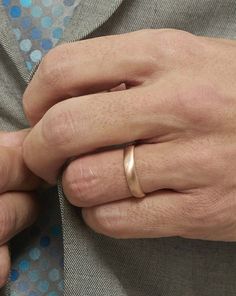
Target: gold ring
130 172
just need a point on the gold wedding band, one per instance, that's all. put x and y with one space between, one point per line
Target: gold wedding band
130 172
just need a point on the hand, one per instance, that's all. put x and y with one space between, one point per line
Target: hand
180 104
18 207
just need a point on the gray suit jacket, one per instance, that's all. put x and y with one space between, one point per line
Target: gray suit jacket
96 265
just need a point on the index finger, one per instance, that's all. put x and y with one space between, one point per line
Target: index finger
86 67
75 127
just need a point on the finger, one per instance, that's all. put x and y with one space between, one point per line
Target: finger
17 212
13 171
100 178
4 265
13 139
75 127
14 175
157 215
88 66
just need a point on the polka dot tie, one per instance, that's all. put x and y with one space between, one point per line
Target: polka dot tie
38 253
38 25
37 256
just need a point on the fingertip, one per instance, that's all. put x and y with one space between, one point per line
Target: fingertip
105 219
5 263
87 214
91 219
34 156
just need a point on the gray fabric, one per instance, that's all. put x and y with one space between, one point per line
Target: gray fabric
95 264
12 74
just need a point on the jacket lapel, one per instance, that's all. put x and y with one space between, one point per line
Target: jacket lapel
88 16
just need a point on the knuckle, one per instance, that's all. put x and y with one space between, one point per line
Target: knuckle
146 53
147 45
174 34
58 127
155 34
147 34
202 215
158 47
173 45
188 101
169 36
7 221
53 67
81 183
177 39
196 209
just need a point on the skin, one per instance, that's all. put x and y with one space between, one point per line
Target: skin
179 106
18 206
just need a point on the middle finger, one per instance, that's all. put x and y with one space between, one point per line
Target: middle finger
78 126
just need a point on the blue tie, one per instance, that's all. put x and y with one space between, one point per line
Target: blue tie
38 270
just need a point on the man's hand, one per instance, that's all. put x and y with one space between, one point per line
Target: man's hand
18 209
180 106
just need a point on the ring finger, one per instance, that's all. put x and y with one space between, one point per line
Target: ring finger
100 178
